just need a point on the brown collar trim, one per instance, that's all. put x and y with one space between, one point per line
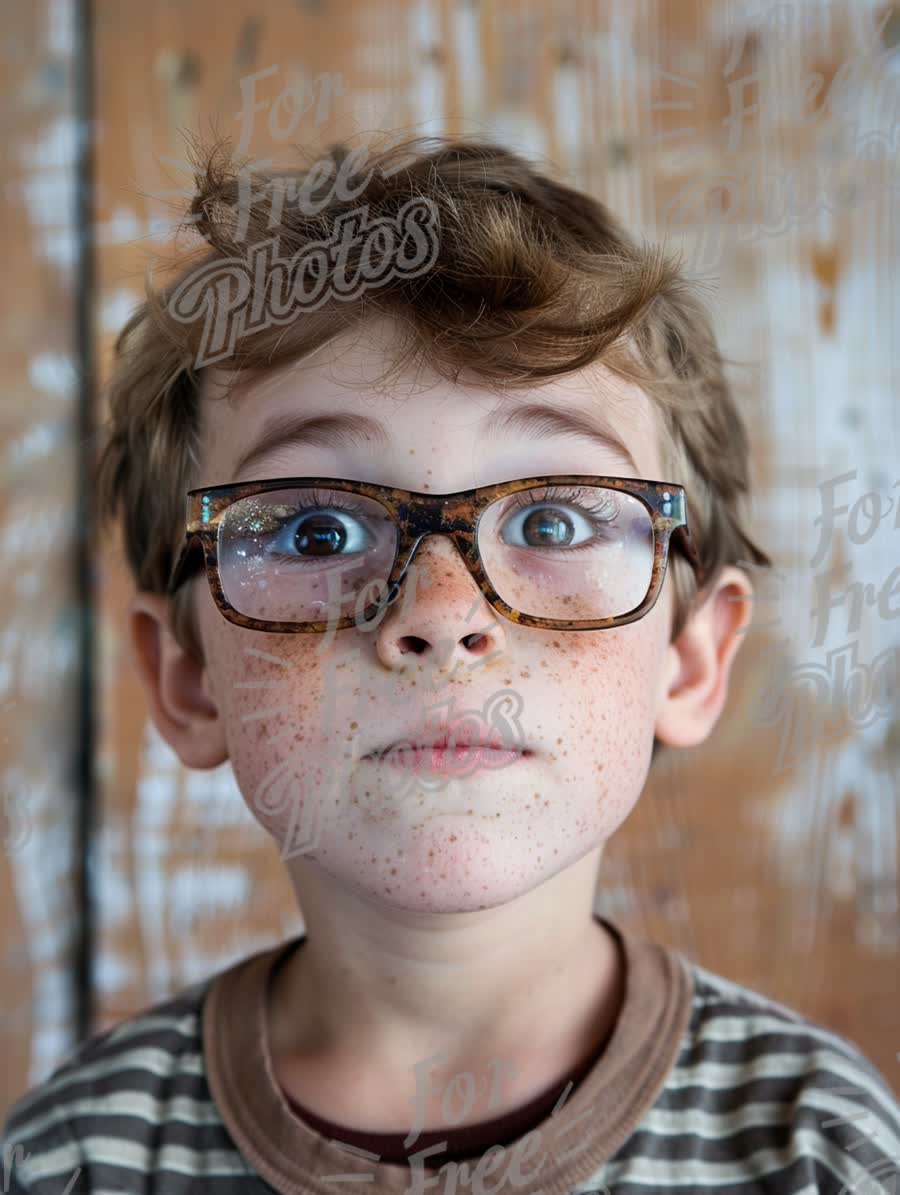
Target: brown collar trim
561 1153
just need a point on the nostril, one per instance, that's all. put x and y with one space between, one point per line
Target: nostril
412 643
475 642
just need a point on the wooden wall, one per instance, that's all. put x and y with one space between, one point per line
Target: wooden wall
758 137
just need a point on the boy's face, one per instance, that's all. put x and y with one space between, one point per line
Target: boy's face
590 701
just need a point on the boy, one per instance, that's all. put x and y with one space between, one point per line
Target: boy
421 439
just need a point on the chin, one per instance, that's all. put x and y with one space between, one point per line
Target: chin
448 865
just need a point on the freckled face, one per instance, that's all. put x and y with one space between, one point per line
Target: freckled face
301 711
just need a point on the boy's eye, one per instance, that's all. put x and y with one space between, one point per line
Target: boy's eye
304 530
321 533
552 525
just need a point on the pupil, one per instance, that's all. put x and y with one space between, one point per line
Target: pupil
552 526
326 535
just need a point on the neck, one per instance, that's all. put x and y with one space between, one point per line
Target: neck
404 1003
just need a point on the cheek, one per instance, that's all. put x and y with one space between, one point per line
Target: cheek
604 709
269 690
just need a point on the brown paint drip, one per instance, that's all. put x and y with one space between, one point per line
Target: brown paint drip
847 811
826 268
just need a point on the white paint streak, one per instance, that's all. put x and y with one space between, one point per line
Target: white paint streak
61 28
53 374
520 131
124 225
18 538
428 98
214 799
157 791
469 65
623 191
116 308
48 188
112 974
36 443
567 121
198 893
40 876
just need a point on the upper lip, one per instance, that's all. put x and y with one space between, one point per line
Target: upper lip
464 735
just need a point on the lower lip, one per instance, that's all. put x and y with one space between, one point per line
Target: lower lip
460 761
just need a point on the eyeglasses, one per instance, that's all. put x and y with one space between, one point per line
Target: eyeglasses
568 552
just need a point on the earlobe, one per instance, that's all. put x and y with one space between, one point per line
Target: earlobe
696 684
176 685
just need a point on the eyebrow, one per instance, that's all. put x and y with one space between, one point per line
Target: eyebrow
336 429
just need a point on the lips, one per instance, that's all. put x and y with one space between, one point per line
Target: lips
445 735
448 762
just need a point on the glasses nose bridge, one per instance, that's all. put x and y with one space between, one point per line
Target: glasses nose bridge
450 516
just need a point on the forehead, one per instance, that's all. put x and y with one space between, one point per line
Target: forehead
409 414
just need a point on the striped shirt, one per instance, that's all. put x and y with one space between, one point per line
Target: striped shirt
703 1085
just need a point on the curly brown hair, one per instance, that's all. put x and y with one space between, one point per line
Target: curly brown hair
517 253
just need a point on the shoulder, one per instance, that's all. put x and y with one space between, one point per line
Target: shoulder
116 1104
759 1085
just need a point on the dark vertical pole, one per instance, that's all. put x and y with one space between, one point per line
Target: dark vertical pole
85 748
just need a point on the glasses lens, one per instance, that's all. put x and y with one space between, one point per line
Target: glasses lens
568 552
304 555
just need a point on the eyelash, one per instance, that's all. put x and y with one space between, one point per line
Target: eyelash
566 497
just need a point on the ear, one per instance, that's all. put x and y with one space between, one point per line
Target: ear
176 684
695 681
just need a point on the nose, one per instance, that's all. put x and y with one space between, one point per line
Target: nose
439 612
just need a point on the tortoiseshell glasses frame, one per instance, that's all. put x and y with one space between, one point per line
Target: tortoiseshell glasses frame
417 515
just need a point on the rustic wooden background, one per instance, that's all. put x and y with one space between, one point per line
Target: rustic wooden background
759 137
